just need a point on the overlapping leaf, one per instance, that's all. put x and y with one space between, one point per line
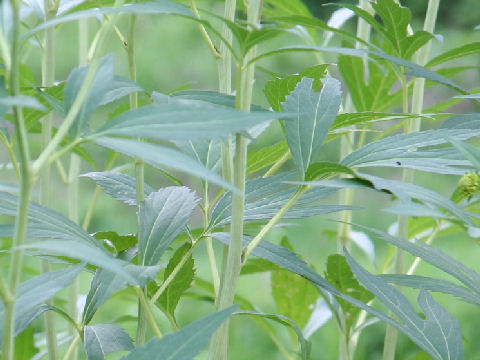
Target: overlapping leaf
102 339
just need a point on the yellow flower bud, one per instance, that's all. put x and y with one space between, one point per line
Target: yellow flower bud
469 184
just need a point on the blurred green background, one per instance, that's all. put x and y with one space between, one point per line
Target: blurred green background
170 54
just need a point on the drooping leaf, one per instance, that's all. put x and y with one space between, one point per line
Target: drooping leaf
84 252
99 88
440 331
458 52
472 153
102 339
432 284
23 101
361 118
305 345
106 283
119 87
185 343
315 115
161 156
339 275
162 217
182 281
321 169
119 186
36 291
277 90
294 296
184 122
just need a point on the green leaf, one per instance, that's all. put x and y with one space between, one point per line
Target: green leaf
118 88
364 117
277 90
405 150
440 331
23 101
36 291
184 122
162 217
431 284
315 115
25 345
285 7
85 252
106 283
472 153
99 88
161 156
185 343
294 296
102 339
340 275
119 186
458 52
267 156
321 169
206 152
254 266
182 281
119 242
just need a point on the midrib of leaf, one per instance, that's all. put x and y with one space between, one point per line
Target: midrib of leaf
98 340
440 327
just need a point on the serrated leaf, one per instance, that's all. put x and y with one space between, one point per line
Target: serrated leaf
182 281
277 90
315 115
119 186
162 217
458 52
161 156
183 344
99 88
339 275
102 339
34 292
294 296
265 157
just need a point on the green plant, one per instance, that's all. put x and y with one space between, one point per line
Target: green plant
243 194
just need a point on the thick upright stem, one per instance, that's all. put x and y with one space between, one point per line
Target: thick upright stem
48 78
219 345
408 175
8 346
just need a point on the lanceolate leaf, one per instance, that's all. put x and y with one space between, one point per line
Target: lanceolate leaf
315 115
161 156
185 343
119 186
102 339
461 51
184 122
162 217
36 291
118 88
440 332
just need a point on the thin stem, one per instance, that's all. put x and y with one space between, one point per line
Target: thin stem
147 311
278 164
204 33
8 347
71 349
172 275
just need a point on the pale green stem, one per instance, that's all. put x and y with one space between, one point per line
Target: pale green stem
172 275
272 222
4 49
72 348
8 345
278 164
408 175
232 265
